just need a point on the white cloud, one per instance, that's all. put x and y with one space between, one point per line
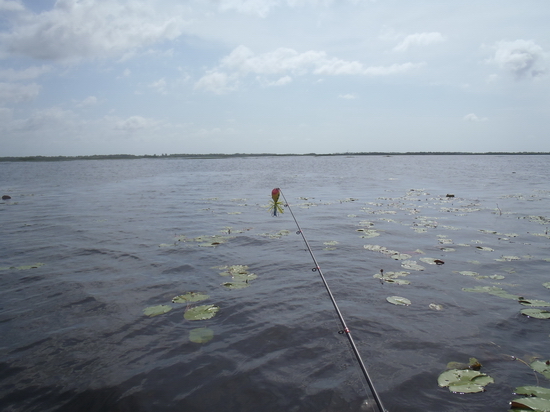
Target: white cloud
282 81
347 96
134 123
88 101
472 117
159 86
17 93
75 29
9 5
242 61
217 82
29 73
521 58
419 39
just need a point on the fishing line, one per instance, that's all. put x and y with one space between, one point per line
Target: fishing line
345 330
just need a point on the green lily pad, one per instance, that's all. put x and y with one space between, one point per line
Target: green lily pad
546 285
492 290
190 297
464 380
484 248
202 312
531 404
156 310
25 267
533 302
411 265
536 313
542 367
398 300
537 391
236 285
201 335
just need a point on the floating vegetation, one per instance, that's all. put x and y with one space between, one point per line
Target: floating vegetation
464 380
546 285
537 399
201 335
240 276
368 233
190 297
411 265
276 235
24 267
507 258
533 302
214 240
329 245
542 367
400 256
536 313
202 312
432 261
484 248
435 306
393 277
156 310
398 300
492 290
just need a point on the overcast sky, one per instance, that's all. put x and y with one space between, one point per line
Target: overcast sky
82 77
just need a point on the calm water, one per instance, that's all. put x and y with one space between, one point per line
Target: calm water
104 237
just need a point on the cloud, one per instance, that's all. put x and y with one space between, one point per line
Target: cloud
159 86
242 61
520 58
134 123
29 73
9 5
75 29
17 92
419 39
471 117
217 82
88 101
347 96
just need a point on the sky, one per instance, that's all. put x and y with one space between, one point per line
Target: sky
85 77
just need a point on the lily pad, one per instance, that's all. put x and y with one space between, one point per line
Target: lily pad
537 391
201 335
236 285
411 265
190 297
398 300
533 302
531 404
492 290
542 367
202 312
464 380
157 310
536 313
546 285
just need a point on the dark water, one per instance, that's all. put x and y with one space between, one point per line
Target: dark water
73 336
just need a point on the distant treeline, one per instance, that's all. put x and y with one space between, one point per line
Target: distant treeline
224 156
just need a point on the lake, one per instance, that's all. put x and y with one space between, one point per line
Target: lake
88 246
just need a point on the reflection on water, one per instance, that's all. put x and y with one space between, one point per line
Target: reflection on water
116 237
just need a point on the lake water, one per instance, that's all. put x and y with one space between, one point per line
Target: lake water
110 238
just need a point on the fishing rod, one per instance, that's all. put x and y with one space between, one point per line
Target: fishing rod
345 330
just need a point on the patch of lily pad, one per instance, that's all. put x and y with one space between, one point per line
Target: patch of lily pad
201 335
190 297
240 277
464 378
152 311
24 267
398 300
393 277
202 312
492 290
